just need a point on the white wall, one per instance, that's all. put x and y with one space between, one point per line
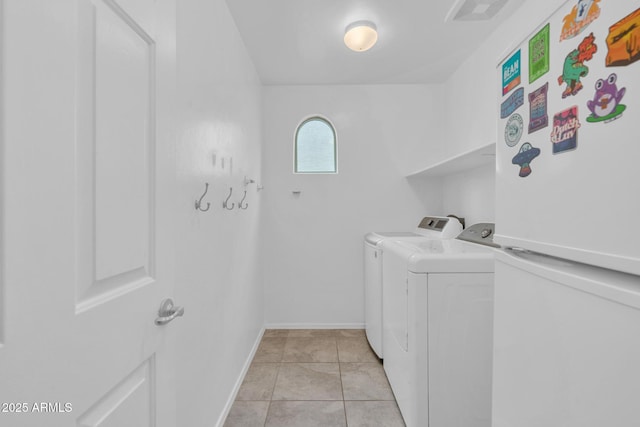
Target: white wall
471 103
312 243
472 91
217 276
471 194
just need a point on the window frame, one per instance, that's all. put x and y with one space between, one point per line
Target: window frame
307 119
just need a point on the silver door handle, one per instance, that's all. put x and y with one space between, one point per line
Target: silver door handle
168 312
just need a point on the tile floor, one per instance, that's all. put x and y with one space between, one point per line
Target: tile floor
315 378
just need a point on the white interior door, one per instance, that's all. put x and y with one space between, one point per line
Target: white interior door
87 162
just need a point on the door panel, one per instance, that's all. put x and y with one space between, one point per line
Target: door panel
117 122
129 403
460 340
88 88
123 141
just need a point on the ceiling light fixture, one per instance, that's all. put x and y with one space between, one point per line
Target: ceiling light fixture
361 35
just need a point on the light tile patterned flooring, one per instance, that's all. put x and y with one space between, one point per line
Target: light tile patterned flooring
315 378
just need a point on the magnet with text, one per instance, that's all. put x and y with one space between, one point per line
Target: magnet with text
623 41
564 135
539 54
605 106
581 15
538 117
511 73
574 69
514 129
515 101
524 157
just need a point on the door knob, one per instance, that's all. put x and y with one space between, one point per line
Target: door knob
168 312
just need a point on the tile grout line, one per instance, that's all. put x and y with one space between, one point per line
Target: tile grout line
274 384
344 404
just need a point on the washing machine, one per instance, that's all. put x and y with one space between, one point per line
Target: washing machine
437 328
431 227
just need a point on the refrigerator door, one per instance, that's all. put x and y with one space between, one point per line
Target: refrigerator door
566 345
568 180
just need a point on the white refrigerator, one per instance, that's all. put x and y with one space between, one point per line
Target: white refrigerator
567 292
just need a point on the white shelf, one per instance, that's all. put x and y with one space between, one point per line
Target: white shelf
460 163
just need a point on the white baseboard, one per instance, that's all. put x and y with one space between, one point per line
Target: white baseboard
236 387
314 326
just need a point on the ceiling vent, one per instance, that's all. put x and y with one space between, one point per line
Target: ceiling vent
474 10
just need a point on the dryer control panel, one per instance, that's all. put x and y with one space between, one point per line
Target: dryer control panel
439 227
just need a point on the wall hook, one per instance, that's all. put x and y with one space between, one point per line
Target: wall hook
248 181
225 204
199 202
246 205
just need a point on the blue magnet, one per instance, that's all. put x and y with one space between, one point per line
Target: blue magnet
524 157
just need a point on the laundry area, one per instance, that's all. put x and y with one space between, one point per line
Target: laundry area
319 214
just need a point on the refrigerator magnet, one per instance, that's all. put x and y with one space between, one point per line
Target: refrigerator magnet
524 157
605 106
581 15
515 101
539 54
623 41
574 69
511 73
514 129
538 117
564 135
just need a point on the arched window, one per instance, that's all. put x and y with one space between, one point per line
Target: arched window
315 147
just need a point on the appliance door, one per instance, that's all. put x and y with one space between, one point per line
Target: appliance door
578 199
566 345
373 296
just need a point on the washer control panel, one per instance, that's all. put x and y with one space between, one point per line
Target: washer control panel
481 233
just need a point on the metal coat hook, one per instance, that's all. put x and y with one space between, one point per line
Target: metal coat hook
199 202
248 181
225 204
246 205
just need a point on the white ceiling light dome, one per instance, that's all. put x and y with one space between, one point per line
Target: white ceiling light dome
361 36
